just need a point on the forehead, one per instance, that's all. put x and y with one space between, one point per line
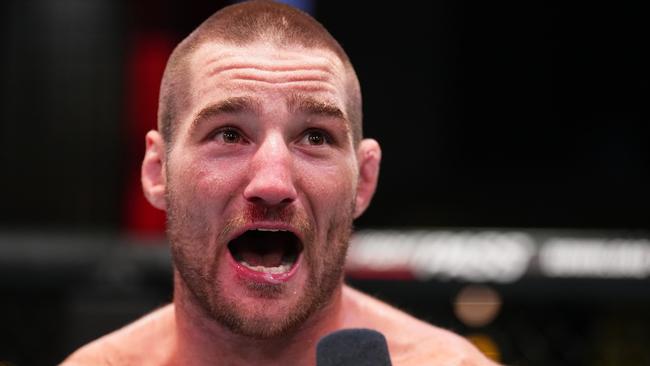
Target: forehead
271 72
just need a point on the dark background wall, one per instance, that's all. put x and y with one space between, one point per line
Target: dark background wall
503 115
509 114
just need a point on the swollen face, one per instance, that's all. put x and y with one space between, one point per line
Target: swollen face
261 181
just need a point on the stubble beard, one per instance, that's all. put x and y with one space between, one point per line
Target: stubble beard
187 232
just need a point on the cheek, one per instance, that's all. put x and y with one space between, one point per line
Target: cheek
198 192
208 181
329 188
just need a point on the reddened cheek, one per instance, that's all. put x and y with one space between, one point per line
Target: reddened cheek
369 159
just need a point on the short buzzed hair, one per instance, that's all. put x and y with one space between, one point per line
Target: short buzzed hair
242 24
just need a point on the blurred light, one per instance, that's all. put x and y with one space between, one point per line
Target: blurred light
305 5
477 306
497 256
469 256
616 258
145 66
486 345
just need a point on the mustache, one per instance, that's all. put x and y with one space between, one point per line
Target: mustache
252 213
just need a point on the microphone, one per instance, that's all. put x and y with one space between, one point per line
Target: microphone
358 347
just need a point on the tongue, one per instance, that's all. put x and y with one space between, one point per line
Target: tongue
259 248
267 256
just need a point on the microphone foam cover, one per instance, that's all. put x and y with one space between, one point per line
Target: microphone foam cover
358 347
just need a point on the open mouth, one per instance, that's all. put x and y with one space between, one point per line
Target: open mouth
266 250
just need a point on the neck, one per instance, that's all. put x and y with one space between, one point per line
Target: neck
201 340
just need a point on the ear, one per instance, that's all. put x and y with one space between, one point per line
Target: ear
153 170
369 157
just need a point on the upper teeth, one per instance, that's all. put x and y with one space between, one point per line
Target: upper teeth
273 230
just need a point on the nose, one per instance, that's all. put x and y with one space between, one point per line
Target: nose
271 174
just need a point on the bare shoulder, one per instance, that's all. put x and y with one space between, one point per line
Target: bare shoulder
410 340
132 344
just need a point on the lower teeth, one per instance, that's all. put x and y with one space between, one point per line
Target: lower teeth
272 270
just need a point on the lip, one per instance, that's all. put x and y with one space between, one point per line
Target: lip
269 225
261 277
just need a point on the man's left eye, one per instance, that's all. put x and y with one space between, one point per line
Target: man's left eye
316 138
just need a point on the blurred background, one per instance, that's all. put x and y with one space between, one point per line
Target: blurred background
513 200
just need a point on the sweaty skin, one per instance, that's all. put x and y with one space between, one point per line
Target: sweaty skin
264 141
153 340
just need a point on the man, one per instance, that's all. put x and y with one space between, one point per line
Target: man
260 165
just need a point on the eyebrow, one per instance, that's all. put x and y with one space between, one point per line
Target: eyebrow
296 103
310 105
231 105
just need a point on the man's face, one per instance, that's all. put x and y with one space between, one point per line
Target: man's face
261 182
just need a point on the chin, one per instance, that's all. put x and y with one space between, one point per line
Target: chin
264 317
